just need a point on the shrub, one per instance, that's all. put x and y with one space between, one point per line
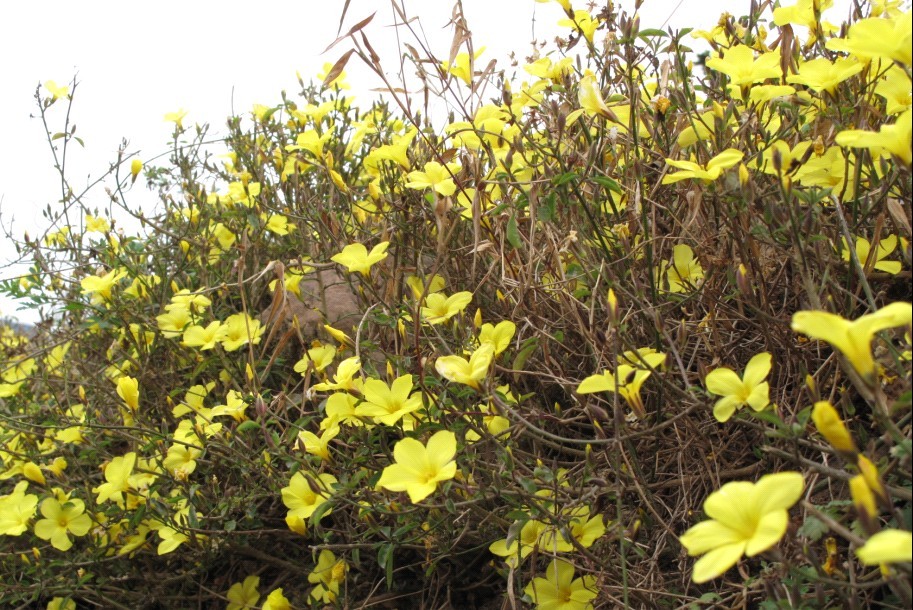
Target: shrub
363 360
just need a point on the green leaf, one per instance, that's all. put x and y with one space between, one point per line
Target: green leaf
526 350
607 183
803 416
546 210
813 528
385 559
230 525
192 519
248 425
321 510
513 233
564 178
651 32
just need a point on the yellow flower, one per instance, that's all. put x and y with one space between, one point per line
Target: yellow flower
462 66
205 338
61 520
136 166
590 97
559 590
61 603
57 91
344 379
469 372
16 510
321 357
887 546
740 65
685 273
277 223
894 87
328 575
832 428
235 406
629 380
869 472
169 540
117 475
497 336
885 247
356 257
276 601
853 339
243 596
877 37
801 13
863 498
435 283
318 445
99 225
418 468
177 118
894 139
708 173
100 287
820 74
435 176
128 390
304 495
181 458
240 329
439 307
745 519
173 323
521 546
583 23
388 404
340 409
581 527
750 390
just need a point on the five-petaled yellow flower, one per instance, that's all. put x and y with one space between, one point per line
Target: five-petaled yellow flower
356 257
559 590
745 519
440 308
750 390
469 372
419 468
61 520
629 379
708 173
304 495
435 176
388 404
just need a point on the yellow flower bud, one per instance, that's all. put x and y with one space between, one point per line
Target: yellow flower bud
832 428
32 472
136 166
613 307
862 496
870 472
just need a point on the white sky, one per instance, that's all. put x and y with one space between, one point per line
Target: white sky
133 65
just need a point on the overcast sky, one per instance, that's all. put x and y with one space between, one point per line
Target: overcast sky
134 62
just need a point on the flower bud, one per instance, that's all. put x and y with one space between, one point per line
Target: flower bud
136 166
870 473
832 428
863 502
